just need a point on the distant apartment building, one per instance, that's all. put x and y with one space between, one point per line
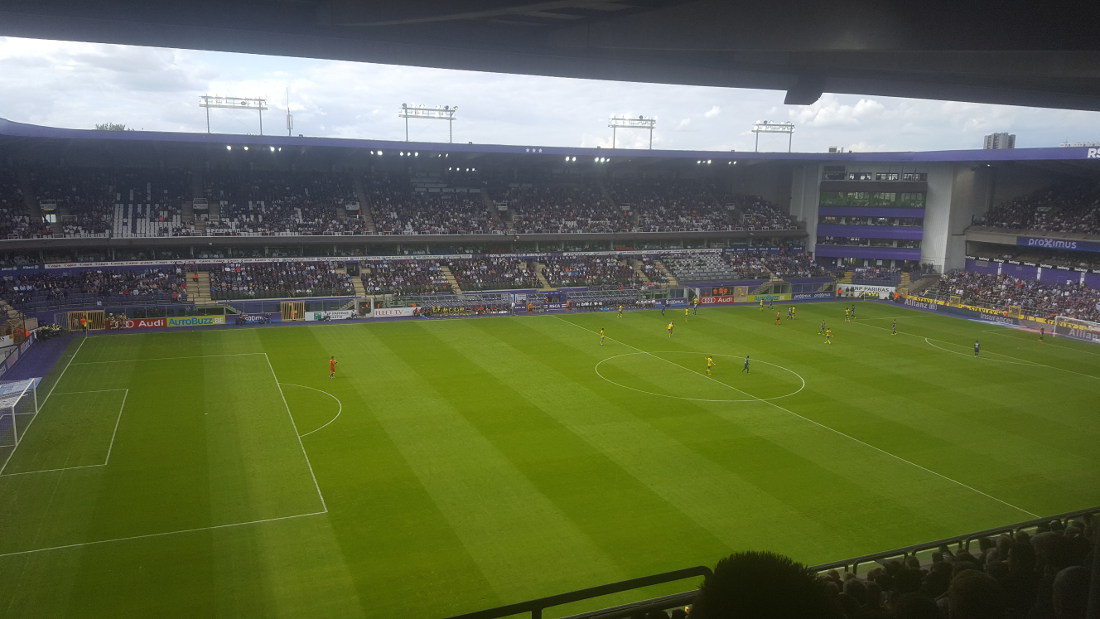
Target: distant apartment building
998 141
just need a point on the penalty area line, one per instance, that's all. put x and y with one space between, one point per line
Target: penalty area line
42 404
297 434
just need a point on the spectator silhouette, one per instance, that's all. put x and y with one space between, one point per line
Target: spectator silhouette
762 585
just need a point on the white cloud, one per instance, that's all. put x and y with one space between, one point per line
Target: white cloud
713 112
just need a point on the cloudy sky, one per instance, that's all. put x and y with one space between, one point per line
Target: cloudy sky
78 85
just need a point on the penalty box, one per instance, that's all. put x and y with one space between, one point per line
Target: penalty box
198 442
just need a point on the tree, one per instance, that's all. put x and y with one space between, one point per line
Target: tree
111 127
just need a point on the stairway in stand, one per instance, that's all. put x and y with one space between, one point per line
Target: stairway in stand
638 272
356 282
198 292
847 279
451 279
672 281
537 268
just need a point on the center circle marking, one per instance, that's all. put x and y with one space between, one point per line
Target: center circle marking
655 354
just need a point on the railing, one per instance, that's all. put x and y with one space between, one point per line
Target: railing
962 541
536 607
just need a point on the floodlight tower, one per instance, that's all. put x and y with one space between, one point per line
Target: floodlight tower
641 122
446 112
233 103
772 126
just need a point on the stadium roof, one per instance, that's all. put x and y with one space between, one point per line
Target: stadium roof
1011 51
14 133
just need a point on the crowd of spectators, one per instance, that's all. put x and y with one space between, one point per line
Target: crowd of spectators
38 290
742 265
14 221
149 203
248 280
569 271
266 203
675 205
1073 208
493 273
1044 574
1034 297
404 277
756 213
434 213
877 276
652 270
563 209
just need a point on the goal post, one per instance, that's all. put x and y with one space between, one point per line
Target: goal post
1075 328
18 406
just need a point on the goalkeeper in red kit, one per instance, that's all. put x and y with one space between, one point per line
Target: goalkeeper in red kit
332 367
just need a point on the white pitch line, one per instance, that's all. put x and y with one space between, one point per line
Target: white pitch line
955 352
92 391
64 468
110 446
162 534
338 411
297 434
833 430
1018 361
44 400
239 354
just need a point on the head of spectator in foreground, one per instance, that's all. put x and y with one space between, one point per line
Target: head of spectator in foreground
975 595
762 585
1071 593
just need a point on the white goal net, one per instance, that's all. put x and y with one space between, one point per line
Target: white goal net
1078 329
18 405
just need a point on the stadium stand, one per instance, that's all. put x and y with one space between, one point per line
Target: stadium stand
493 273
562 209
428 205
1034 297
404 277
43 291
251 280
579 270
1064 207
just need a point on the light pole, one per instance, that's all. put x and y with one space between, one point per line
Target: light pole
772 126
641 122
233 103
446 112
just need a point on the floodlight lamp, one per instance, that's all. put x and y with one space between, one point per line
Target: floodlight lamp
228 147
379 153
708 161
416 154
246 148
272 148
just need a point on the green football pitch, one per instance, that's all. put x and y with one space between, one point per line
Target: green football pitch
457 465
